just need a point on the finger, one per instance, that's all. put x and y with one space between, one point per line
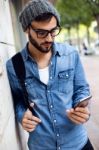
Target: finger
83 110
78 118
73 117
28 113
29 122
80 114
31 118
29 130
28 126
75 121
85 113
70 111
36 119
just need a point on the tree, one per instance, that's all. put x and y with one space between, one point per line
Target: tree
94 9
74 13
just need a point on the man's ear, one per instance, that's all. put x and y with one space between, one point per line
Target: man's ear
27 30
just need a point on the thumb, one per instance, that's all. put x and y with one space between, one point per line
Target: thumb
32 105
69 111
28 112
30 108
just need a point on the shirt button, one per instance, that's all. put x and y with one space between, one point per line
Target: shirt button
66 75
51 106
51 63
59 148
51 77
57 135
54 121
48 91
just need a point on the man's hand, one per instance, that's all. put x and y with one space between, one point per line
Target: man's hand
78 115
29 122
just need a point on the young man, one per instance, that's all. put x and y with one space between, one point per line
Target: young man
55 82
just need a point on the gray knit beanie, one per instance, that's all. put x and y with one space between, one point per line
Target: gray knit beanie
35 8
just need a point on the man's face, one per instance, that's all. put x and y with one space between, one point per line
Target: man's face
39 35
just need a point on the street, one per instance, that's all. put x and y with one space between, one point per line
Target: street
91 66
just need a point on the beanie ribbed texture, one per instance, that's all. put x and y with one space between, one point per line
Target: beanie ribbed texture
35 8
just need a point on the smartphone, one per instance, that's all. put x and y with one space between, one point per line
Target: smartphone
84 102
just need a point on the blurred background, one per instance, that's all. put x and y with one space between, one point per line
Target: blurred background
80 22
80 28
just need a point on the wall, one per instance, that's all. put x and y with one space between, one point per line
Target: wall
10 139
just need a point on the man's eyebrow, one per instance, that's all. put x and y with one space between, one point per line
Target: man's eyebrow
43 29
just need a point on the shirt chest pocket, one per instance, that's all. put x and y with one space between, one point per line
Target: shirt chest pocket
35 91
65 81
30 86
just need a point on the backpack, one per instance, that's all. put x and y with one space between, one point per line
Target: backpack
17 62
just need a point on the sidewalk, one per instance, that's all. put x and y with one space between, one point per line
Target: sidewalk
91 66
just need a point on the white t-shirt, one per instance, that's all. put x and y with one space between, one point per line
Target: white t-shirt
44 75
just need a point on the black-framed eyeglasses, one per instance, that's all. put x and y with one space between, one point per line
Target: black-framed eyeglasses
41 33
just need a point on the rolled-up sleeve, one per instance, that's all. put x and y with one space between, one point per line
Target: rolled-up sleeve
17 95
81 86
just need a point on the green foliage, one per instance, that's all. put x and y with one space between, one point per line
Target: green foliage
74 12
94 7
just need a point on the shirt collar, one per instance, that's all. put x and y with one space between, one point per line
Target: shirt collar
56 49
26 54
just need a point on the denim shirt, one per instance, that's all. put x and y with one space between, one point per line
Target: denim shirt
66 87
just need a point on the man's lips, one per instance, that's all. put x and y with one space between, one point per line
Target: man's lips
47 44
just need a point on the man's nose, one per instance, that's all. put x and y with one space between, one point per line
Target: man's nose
49 37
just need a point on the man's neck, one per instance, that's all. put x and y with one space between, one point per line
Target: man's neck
42 59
